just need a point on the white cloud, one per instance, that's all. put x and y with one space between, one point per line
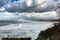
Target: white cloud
8 16
2 9
41 16
29 3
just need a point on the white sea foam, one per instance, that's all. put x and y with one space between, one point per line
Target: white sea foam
25 27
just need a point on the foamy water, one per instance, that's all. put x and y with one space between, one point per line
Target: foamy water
22 26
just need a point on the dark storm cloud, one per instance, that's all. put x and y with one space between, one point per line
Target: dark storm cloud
22 7
2 3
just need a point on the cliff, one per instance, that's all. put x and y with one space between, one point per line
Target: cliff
51 33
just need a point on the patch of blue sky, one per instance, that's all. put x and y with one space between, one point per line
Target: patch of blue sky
56 0
13 0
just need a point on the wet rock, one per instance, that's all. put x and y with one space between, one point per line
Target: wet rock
51 33
16 38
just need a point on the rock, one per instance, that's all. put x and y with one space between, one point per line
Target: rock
51 33
16 38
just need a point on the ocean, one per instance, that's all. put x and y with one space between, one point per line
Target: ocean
19 25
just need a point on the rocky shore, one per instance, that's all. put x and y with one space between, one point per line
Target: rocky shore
50 34
16 38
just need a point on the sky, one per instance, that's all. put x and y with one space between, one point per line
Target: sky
21 5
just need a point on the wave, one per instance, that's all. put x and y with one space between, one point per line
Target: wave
20 24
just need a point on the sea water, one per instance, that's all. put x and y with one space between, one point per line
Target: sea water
18 26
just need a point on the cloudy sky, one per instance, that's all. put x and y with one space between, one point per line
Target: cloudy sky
29 5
